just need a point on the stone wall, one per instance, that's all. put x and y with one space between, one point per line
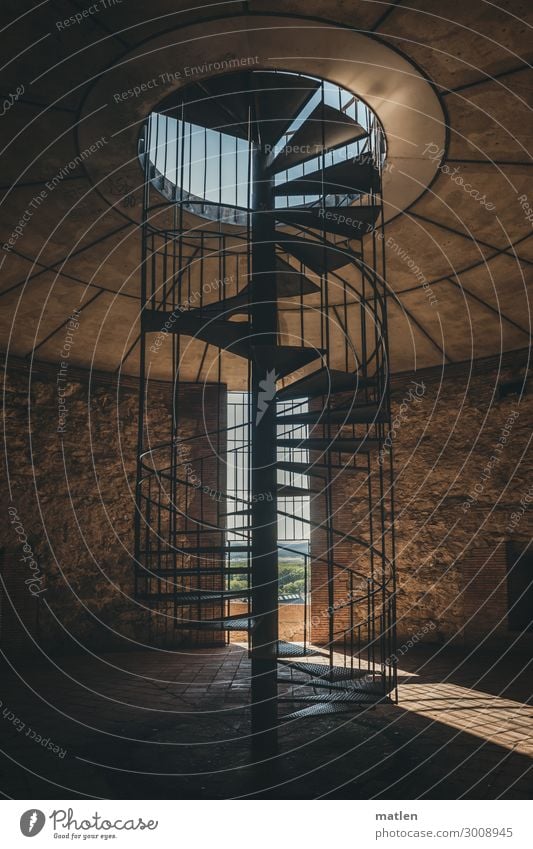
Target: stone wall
463 488
70 501
462 467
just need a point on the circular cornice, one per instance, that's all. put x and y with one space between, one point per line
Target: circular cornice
394 89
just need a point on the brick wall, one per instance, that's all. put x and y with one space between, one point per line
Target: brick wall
74 499
484 593
462 467
455 507
290 622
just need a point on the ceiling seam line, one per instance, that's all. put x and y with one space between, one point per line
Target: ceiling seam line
418 324
445 227
126 355
488 306
31 352
381 20
484 261
75 279
64 259
102 26
516 70
42 182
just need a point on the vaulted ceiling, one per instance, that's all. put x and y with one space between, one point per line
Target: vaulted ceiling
75 240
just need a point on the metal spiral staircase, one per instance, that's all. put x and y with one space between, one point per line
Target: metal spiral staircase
269 184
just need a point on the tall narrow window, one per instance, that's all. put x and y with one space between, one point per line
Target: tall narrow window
519 587
293 520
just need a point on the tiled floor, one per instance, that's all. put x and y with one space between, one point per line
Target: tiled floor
168 724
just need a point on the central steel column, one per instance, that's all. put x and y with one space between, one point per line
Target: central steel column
263 476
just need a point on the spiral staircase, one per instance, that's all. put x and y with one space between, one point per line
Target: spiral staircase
306 319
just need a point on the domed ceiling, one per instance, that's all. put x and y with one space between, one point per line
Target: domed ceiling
451 84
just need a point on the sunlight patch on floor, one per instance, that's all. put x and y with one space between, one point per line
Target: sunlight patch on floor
498 720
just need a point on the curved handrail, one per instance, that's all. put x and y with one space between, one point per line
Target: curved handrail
163 482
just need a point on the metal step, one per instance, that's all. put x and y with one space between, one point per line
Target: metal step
236 305
319 470
318 710
290 283
279 98
231 336
284 359
343 445
325 128
341 415
286 650
186 599
354 222
352 697
325 672
193 572
203 596
227 623
318 256
355 176
325 381
359 686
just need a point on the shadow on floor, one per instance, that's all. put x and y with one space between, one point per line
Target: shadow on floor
144 725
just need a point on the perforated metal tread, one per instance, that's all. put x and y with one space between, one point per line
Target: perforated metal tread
326 672
228 623
374 687
193 572
294 650
320 710
208 597
345 697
